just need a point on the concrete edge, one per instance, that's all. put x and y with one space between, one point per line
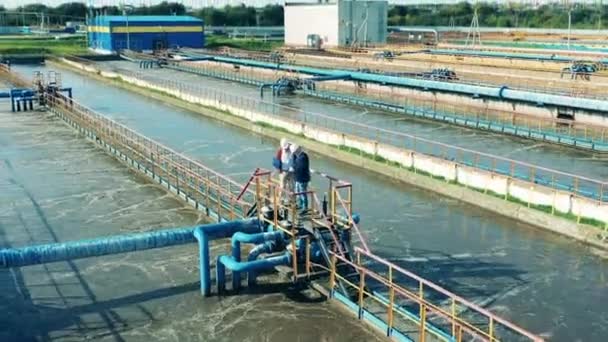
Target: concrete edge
581 232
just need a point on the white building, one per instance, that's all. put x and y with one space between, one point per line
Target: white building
339 23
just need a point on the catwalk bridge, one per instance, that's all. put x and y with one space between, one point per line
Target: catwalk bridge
324 247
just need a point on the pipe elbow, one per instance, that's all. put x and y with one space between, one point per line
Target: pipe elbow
501 91
198 233
266 247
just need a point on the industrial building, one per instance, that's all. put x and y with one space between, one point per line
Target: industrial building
144 33
339 23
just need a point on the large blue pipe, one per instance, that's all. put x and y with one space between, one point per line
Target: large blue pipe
204 234
473 90
251 267
530 56
258 238
32 255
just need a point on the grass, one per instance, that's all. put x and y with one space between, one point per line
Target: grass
42 46
544 208
251 44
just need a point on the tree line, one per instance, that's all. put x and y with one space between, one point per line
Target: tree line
271 15
503 14
491 14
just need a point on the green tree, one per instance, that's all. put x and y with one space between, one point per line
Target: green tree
272 15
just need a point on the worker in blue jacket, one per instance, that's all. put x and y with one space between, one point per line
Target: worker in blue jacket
301 172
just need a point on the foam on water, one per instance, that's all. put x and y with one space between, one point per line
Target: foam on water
58 187
501 254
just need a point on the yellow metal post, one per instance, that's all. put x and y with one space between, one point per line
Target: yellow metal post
333 204
453 317
421 293
391 299
350 201
491 329
294 260
361 291
219 198
207 181
422 323
332 274
257 195
275 206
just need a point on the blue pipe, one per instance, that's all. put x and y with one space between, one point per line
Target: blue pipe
329 78
251 267
264 248
241 237
204 234
265 85
473 90
32 255
528 56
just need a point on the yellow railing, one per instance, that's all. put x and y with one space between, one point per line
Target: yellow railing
222 194
449 319
210 189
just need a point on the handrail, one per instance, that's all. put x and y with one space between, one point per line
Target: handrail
403 134
353 223
328 225
448 293
246 186
164 150
581 132
336 123
424 303
114 130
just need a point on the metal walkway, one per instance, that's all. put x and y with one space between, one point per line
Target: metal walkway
403 305
384 294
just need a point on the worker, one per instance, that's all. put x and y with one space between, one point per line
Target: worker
286 169
278 156
301 169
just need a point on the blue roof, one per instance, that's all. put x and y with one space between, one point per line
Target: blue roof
149 18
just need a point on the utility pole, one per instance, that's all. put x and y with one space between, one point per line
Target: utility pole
474 32
569 25
125 12
600 13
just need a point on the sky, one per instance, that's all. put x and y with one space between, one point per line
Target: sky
221 3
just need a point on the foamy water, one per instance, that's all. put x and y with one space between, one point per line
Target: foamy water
544 282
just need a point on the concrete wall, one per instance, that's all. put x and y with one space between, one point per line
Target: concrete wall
302 20
482 182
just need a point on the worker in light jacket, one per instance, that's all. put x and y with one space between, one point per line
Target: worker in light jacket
301 173
286 170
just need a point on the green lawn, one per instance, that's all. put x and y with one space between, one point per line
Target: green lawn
36 45
251 44
32 45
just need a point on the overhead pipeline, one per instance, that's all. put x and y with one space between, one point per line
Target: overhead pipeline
33 255
500 92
